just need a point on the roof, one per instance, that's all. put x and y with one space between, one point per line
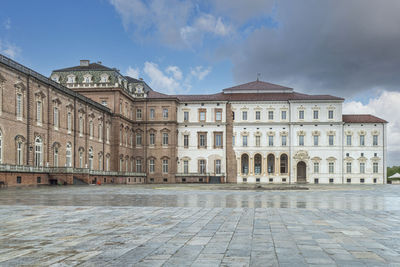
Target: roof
91 66
362 118
396 175
132 80
258 85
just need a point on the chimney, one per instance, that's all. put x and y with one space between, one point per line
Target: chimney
84 62
141 79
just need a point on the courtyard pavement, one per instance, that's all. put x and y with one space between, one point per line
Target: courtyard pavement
200 225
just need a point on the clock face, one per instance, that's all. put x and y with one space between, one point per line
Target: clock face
139 88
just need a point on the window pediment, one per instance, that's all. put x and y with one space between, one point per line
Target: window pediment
301 133
348 159
331 133
362 132
362 159
284 133
375 132
316 133
271 133
331 159
316 159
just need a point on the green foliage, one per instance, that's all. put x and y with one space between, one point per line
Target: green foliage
392 170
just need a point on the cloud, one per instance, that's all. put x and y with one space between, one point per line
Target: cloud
9 49
335 46
175 71
200 72
7 24
387 106
133 72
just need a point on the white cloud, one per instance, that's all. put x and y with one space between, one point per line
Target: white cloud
133 72
175 71
386 106
200 72
9 49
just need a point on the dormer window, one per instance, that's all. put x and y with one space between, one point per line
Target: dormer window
104 78
87 79
70 79
55 78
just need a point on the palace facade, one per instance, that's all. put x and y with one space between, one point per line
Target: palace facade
90 123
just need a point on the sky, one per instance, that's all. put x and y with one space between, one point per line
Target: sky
347 48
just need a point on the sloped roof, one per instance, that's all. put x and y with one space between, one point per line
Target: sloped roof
362 118
258 85
396 175
91 66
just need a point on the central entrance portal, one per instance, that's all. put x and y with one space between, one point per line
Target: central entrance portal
301 173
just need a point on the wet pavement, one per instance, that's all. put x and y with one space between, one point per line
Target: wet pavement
200 225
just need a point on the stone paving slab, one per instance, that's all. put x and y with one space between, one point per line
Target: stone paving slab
175 235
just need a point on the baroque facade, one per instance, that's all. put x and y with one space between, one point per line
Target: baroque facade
90 123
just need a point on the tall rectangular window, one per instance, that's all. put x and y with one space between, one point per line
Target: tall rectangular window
258 141
138 139
362 140
331 167
270 140
20 154
138 114
330 114
39 112
244 115
151 166
218 166
315 114
19 106
258 115
202 115
185 166
186 141
233 140
152 113
202 140
362 167
348 167
375 140
270 115
138 165
108 134
301 140
218 115
375 167
244 140
348 140
186 116
55 117
165 166
283 115
165 113
331 140
316 167
165 139
152 139
218 140
80 126
284 138
202 166
301 114
316 139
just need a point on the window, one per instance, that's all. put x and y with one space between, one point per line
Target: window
90 158
104 103
218 115
315 114
69 122
218 166
165 166
80 158
165 139
316 167
348 140
375 180
38 152
244 140
107 162
19 106
362 180
202 115
283 115
301 114
330 114
316 139
20 153
91 129
362 140
39 112
258 141
108 133
375 167
38 179
233 140
284 140
348 180
375 140
258 115
138 114
80 126
152 113
270 140
186 116
316 180
270 115
19 179
186 141
284 163
331 167
70 79
348 167
165 113
68 155
55 157
331 140
151 166
202 140
331 180
233 115
104 79
86 79
152 139
186 166
202 166
301 140
121 162
55 119
218 140
362 167
100 131
138 165
138 139
244 115
100 161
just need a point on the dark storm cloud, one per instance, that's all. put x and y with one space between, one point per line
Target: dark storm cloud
332 46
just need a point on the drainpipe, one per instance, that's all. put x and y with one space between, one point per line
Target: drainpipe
289 139
28 124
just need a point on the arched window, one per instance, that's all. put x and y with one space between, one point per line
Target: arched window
257 164
90 158
284 163
68 155
38 151
245 164
100 161
80 158
271 163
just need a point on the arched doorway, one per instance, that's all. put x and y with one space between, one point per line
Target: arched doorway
271 163
245 164
301 172
257 164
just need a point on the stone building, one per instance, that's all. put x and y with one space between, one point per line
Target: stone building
90 123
